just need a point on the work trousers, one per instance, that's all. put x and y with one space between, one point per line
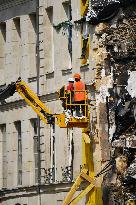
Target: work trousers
81 105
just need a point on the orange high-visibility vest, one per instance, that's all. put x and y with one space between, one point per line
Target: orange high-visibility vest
79 96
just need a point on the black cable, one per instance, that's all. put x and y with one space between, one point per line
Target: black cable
104 170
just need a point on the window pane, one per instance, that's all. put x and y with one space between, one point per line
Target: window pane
36 175
19 146
4 154
36 160
19 138
20 162
35 145
20 177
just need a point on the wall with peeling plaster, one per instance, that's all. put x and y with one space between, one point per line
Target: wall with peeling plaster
117 39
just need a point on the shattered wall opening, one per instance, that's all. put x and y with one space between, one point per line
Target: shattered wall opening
120 42
113 51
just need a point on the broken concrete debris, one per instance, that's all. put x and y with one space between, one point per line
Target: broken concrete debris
114 51
120 42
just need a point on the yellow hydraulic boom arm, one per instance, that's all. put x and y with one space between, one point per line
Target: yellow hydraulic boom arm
33 100
87 173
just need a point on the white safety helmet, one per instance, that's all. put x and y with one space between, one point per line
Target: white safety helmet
71 80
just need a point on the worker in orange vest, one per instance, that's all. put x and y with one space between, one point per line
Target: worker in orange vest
79 95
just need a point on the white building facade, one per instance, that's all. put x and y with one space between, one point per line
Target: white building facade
59 58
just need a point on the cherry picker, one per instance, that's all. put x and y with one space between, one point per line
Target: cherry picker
91 191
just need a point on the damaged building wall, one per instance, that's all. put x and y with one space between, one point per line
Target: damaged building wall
113 50
120 43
